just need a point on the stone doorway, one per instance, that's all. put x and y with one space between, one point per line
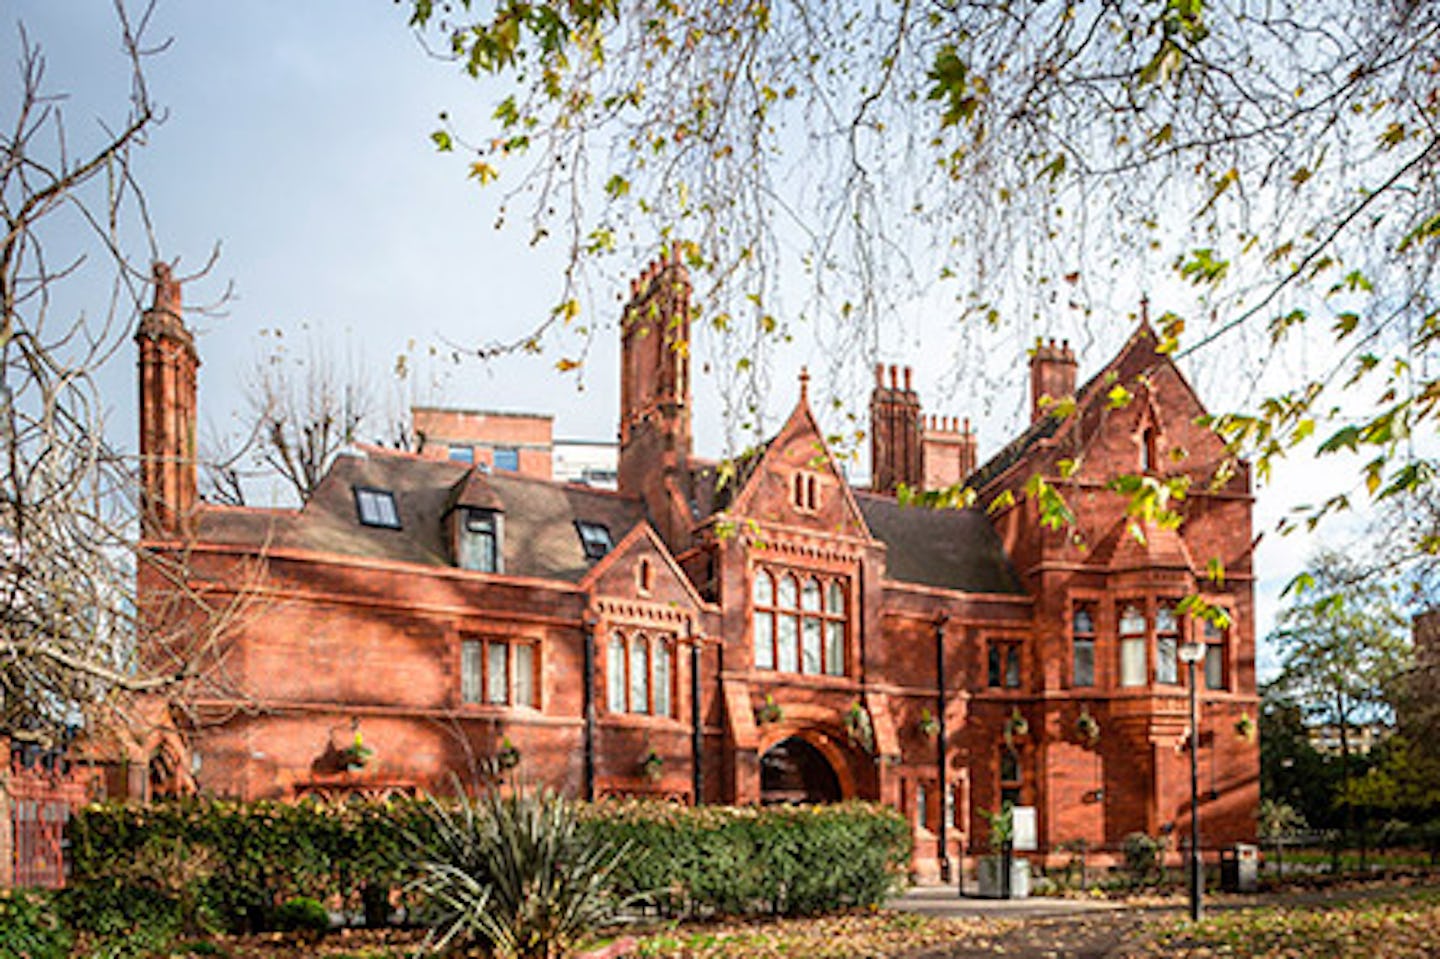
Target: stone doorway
793 771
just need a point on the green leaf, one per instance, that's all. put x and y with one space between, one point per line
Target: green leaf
442 141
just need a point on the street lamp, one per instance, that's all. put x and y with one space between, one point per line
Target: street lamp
1192 653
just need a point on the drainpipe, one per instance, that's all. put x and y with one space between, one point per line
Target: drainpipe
697 732
940 745
592 623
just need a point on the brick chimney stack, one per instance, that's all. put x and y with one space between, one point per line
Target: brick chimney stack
949 451
655 430
168 364
895 448
1052 374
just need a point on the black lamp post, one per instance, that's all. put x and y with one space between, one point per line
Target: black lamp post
1192 653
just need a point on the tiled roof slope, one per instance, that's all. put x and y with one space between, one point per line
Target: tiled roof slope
947 548
539 516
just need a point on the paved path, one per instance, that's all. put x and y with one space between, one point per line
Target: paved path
945 902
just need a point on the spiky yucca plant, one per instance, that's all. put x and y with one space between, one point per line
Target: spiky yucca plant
518 872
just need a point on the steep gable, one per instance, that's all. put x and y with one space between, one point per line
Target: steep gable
796 482
641 568
1136 415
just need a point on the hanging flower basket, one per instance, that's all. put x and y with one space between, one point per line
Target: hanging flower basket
859 728
1245 727
1017 725
357 755
653 765
929 725
769 711
1087 726
507 756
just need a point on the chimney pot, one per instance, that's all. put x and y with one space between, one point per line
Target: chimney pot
879 374
893 382
907 379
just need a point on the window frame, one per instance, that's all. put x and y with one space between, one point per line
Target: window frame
1217 644
468 530
479 676
590 545
1091 638
772 621
373 496
620 677
1004 667
1126 641
1168 659
508 452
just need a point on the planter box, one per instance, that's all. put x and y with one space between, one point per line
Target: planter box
990 875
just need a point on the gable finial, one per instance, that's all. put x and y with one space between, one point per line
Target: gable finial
1145 308
804 384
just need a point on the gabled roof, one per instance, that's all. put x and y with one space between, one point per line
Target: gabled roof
945 548
539 535
1138 356
1160 548
636 540
801 422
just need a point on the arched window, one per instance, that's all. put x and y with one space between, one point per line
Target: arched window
639 675
798 624
810 627
763 623
615 675
663 680
1149 458
835 629
788 626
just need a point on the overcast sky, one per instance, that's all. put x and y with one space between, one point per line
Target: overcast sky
297 137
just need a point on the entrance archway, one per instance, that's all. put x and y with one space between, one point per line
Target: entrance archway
794 771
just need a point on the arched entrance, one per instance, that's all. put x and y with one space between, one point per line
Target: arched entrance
794 771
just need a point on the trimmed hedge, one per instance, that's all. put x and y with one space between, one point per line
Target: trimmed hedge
783 860
30 926
235 863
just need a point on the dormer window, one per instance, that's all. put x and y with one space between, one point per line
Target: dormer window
480 541
377 507
594 539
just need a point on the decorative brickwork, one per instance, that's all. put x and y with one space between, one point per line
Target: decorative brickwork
775 635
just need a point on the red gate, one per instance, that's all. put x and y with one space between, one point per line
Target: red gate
40 806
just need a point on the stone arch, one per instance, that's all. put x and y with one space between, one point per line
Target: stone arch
794 770
820 730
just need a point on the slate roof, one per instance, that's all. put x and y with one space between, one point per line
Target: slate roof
539 516
949 548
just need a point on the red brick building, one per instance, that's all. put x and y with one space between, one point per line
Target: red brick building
756 631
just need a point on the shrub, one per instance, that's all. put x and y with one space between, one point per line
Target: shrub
131 920
302 914
1144 858
30 926
518 873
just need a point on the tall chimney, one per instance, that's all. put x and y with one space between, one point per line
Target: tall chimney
655 426
1052 376
895 445
949 451
168 364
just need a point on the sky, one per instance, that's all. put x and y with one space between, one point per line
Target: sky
296 138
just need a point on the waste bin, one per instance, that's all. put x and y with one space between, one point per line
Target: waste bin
1239 868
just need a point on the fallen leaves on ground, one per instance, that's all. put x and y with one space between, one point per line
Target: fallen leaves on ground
853 936
1393 928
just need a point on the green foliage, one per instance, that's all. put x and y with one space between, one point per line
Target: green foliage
237 862
31 928
782 860
129 920
1002 826
302 914
1144 858
696 862
519 873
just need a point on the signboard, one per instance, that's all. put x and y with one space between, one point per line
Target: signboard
1025 831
